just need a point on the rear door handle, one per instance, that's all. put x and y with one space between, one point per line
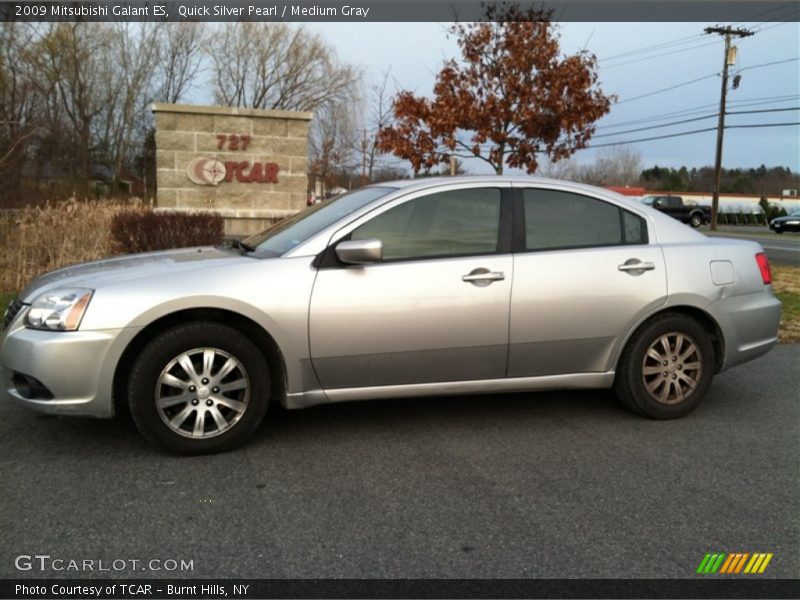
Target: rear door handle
634 264
482 277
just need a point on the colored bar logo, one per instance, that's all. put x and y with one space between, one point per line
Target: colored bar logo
734 563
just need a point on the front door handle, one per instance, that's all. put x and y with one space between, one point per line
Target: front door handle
634 264
483 277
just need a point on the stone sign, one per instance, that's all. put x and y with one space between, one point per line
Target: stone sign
248 165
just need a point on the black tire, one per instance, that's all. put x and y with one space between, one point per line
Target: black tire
631 381
696 220
779 231
193 340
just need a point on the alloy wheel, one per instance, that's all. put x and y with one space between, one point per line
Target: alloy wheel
202 393
672 368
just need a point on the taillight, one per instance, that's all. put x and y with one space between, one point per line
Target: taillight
763 266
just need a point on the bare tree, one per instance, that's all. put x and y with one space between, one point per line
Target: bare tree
332 141
20 119
567 169
75 69
381 116
136 53
617 165
275 66
181 47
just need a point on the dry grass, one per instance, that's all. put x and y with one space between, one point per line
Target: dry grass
786 285
37 240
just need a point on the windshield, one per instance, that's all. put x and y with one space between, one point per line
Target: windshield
648 200
285 235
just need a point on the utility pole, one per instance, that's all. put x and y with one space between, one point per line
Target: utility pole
727 61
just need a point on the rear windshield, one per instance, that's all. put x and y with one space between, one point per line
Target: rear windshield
291 232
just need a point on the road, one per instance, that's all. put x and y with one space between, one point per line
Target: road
783 249
552 485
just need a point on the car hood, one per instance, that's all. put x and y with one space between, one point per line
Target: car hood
786 218
133 266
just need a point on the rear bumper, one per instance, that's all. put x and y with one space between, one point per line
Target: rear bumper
749 324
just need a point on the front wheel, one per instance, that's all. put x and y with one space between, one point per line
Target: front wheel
198 388
666 368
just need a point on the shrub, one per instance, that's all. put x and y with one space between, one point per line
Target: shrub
145 230
775 210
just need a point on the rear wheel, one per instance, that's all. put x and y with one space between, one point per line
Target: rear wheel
199 388
696 220
666 368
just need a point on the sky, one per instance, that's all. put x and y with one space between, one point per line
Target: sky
635 59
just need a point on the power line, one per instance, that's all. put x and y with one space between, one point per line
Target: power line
667 89
766 100
691 81
646 58
757 29
654 119
688 112
790 123
486 146
767 110
676 43
769 64
708 116
766 12
654 47
693 132
649 139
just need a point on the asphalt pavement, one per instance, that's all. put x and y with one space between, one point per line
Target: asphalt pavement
782 249
547 485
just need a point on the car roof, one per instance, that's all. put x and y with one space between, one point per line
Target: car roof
423 183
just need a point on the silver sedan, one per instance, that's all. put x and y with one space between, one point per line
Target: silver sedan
412 288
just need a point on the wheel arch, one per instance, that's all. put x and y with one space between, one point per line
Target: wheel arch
708 323
246 326
697 212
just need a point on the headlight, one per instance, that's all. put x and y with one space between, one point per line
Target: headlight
59 310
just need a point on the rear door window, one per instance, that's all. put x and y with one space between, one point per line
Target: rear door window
557 219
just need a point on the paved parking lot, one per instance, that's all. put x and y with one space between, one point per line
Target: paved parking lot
783 249
523 485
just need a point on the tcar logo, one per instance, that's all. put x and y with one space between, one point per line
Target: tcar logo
206 171
210 171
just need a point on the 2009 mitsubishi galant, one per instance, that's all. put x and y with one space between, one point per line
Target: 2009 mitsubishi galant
439 286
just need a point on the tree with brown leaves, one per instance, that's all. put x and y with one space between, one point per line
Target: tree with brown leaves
513 97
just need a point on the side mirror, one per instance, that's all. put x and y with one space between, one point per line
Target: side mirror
656 202
360 252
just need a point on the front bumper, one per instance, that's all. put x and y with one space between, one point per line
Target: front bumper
784 226
75 367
